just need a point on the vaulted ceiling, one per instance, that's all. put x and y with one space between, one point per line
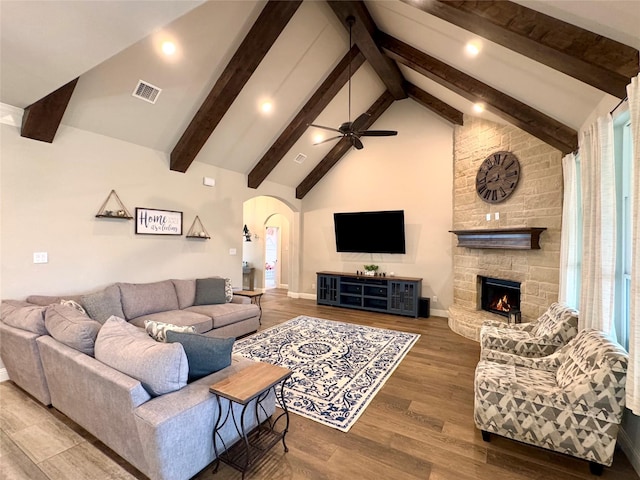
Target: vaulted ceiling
543 66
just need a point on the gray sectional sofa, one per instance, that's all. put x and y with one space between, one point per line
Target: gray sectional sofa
144 409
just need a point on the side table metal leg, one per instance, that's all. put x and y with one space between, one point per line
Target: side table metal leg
283 404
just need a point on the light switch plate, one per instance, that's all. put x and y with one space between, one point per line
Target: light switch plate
40 257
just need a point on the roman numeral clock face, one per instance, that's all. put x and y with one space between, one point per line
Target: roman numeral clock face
498 177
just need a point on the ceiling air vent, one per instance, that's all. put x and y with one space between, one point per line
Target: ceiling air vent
147 92
301 157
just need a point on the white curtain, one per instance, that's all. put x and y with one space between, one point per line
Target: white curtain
633 374
597 171
569 253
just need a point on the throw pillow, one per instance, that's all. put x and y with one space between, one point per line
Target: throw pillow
205 354
29 317
74 329
158 330
210 291
160 367
102 305
73 304
228 290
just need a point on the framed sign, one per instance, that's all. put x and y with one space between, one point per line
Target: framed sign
158 222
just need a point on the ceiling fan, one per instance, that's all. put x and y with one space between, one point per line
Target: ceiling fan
353 130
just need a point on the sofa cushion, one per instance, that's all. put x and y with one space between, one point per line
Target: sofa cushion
23 316
103 304
74 329
160 367
158 330
227 313
206 355
186 292
144 298
210 291
182 318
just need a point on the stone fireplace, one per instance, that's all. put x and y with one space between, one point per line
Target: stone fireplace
536 202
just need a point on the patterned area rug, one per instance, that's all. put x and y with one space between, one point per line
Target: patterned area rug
337 367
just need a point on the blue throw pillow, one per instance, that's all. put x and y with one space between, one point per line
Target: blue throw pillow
205 355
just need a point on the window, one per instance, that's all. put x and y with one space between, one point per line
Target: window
623 155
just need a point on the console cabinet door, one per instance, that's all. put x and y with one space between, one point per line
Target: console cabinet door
404 298
327 290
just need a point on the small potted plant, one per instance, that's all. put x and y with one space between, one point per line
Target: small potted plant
370 270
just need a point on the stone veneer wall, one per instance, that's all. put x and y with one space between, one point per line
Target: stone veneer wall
536 202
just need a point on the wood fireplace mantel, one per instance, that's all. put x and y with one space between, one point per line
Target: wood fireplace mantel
523 238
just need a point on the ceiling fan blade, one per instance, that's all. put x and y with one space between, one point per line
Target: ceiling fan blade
377 133
329 139
355 141
325 128
359 122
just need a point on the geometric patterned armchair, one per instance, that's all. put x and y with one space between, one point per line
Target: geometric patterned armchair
552 330
570 402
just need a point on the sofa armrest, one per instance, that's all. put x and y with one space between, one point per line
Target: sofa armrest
241 300
176 429
550 363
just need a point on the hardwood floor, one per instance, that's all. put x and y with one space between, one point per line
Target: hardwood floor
419 426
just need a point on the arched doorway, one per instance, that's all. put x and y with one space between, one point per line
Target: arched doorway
268 252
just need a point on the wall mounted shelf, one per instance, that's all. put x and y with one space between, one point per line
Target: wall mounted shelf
523 238
113 208
197 230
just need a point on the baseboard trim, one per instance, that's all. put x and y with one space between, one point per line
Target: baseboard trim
627 447
439 313
4 376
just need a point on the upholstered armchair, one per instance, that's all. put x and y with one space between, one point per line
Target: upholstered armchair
570 402
552 330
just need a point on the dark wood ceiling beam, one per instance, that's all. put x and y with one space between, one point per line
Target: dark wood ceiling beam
263 34
316 104
434 104
364 32
598 61
515 112
40 120
342 147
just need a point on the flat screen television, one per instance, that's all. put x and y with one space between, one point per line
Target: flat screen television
370 232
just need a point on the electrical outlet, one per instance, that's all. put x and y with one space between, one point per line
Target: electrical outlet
497 216
313 286
233 251
488 217
435 299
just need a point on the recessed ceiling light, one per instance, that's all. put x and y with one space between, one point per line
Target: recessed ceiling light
472 48
478 107
168 48
318 137
266 107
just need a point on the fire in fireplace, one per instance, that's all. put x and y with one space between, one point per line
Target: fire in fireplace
499 296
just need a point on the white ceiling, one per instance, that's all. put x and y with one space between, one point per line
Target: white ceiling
113 44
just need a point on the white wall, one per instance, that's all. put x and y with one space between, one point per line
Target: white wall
413 172
51 193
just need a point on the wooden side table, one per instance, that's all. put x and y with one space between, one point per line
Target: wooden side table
253 383
254 296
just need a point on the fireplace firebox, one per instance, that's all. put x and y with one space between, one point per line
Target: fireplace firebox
499 296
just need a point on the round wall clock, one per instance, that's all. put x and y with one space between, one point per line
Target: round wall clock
498 177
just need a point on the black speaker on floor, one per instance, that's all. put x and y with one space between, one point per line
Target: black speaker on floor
424 307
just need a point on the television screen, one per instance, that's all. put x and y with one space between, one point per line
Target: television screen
370 232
